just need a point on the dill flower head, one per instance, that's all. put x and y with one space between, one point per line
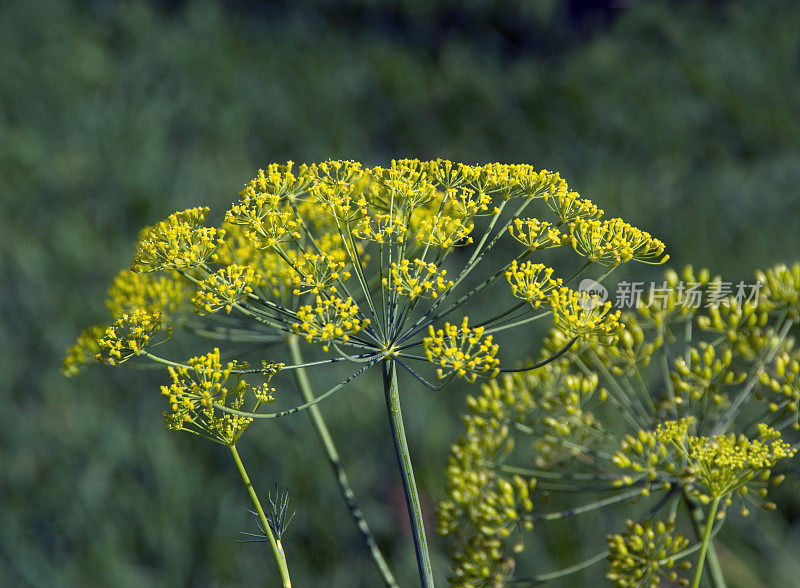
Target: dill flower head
583 316
359 261
128 336
689 409
462 351
646 554
369 267
201 389
614 241
179 242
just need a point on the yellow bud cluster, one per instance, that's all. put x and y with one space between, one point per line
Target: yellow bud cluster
535 234
484 508
416 279
129 335
131 290
706 375
649 456
646 554
224 288
782 382
632 351
462 351
179 242
782 288
83 351
531 281
583 316
329 320
340 190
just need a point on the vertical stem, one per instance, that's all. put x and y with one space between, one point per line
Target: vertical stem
277 548
712 515
714 569
333 458
392 394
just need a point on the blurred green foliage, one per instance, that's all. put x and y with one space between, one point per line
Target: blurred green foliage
683 118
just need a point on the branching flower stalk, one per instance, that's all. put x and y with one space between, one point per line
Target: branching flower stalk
687 412
365 265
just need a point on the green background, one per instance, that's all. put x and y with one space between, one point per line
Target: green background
683 118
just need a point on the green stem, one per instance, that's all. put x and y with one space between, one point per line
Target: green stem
712 514
542 578
714 569
277 548
332 454
392 394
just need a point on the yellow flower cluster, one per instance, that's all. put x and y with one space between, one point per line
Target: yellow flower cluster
613 241
267 218
462 351
536 234
444 232
130 291
646 554
202 384
317 273
569 206
224 288
329 319
531 281
281 180
580 315
725 463
782 288
382 227
129 335
416 279
83 350
715 466
178 242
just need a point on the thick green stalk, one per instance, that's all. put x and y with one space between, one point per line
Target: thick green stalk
712 514
392 394
277 548
333 458
714 569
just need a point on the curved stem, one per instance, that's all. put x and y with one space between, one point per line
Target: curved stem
552 516
309 404
392 394
542 578
303 384
545 361
277 548
712 514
